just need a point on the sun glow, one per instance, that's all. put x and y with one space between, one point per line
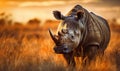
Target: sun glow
24 10
23 14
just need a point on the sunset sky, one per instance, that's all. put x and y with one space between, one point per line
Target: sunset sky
22 3
23 10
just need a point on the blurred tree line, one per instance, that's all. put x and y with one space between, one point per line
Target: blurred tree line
6 19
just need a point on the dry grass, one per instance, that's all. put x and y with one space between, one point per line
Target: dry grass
29 48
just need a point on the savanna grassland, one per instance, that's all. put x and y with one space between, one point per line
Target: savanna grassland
29 48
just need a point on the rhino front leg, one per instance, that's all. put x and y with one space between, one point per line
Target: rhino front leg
69 59
91 52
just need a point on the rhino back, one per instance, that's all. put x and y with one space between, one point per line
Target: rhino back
74 10
104 30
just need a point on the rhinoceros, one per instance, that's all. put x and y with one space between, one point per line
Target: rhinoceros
80 33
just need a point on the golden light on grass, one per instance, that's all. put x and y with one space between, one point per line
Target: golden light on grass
26 48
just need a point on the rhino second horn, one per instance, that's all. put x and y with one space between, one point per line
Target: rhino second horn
60 33
64 31
53 37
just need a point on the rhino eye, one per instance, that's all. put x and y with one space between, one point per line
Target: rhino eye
72 36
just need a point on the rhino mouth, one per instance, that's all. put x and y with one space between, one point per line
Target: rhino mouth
62 49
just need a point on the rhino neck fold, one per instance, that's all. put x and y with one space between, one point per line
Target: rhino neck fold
85 22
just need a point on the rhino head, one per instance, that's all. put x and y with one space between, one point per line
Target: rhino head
69 33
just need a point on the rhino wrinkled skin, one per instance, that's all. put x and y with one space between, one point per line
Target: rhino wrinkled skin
80 33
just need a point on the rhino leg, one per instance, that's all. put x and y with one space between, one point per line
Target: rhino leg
91 52
69 59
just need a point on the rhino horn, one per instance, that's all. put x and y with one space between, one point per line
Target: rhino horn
60 33
64 31
53 36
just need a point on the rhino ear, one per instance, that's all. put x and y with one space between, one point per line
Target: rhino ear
80 14
58 15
